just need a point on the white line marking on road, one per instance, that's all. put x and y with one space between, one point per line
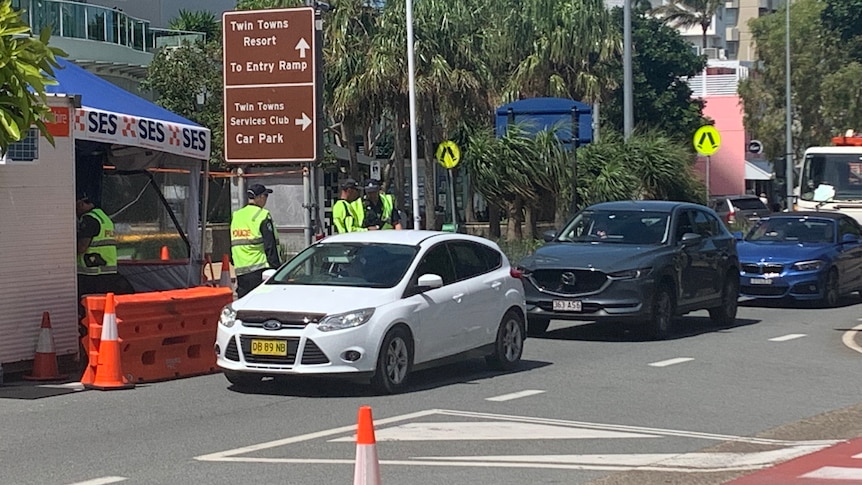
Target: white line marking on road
849 338
515 395
665 363
101 481
491 431
835 473
785 338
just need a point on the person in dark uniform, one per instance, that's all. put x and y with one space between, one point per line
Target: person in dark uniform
379 211
253 240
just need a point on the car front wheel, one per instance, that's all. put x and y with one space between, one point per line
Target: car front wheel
726 313
662 313
393 362
832 292
509 344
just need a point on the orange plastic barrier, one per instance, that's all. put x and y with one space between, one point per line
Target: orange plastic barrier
163 334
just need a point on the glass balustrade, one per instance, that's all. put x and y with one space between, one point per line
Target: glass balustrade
76 20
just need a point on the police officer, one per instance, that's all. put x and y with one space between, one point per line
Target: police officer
344 216
378 210
97 251
253 241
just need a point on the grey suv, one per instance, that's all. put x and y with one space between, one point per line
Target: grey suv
739 208
643 261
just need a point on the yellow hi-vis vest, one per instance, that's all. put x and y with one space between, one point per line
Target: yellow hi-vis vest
101 256
345 218
246 240
388 201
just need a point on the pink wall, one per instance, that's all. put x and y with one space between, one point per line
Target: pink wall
727 165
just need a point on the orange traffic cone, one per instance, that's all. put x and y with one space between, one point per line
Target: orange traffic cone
45 362
367 468
166 255
109 373
224 281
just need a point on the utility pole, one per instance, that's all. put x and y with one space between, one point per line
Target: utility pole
788 116
628 111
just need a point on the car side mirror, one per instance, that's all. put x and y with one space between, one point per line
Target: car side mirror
690 239
430 281
549 235
738 235
267 274
849 238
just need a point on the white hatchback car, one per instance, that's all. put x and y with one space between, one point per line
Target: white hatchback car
379 303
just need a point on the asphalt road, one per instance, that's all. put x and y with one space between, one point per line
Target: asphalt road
591 405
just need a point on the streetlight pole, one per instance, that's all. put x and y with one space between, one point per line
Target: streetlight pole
414 150
628 112
788 115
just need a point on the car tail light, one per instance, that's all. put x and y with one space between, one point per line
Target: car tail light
516 272
730 217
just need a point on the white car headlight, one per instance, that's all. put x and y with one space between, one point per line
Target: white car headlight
809 265
630 274
227 317
341 321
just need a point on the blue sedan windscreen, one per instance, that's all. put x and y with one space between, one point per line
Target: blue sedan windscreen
793 230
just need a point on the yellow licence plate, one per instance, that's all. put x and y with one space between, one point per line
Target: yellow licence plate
269 347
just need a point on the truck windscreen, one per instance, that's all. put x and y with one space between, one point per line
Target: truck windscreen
841 171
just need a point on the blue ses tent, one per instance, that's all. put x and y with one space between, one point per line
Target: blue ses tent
131 156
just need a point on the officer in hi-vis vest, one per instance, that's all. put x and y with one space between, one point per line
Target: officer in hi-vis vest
378 210
97 251
254 244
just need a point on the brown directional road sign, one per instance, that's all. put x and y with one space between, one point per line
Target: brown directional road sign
270 86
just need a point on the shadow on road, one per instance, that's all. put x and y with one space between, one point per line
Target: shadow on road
683 327
462 372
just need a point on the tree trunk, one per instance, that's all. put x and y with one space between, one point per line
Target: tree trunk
514 231
493 221
347 135
705 28
428 136
531 221
469 207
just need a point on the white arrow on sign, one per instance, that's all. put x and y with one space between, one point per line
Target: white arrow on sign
302 46
305 121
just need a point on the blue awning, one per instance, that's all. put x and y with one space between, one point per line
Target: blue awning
111 114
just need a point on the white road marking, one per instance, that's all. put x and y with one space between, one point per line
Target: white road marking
514 395
680 462
101 481
835 473
785 338
665 363
849 338
491 431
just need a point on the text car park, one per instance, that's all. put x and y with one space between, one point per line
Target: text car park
376 304
802 255
644 261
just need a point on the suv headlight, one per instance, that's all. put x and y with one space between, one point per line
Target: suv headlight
227 317
809 265
341 321
630 274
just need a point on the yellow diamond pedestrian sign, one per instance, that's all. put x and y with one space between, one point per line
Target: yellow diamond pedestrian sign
448 154
707 140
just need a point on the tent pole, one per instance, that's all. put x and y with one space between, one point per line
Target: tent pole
205 200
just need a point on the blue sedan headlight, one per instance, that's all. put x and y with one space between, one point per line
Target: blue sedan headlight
813 265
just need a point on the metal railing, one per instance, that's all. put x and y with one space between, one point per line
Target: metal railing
75 20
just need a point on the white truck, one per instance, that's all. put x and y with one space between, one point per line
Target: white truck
830 177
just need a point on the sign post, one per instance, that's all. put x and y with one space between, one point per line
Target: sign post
706 141
270 86
448 155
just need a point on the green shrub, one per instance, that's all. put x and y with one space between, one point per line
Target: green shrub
517 250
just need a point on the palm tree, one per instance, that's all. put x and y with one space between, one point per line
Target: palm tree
198 21
690 13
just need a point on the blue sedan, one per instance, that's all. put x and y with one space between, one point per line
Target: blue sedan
802 255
